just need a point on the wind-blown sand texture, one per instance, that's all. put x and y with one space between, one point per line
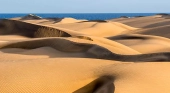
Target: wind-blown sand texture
66 55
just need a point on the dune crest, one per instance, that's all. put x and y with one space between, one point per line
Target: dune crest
69 20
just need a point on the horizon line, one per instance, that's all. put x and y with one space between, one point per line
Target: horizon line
84 13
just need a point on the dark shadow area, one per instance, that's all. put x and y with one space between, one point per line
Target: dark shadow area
36 52
13 27
84 37
141 22
104 84
56 20
162 31
158 24
126 37
9 27
166 16
101 21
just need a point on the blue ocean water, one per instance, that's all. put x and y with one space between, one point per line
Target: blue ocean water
88 16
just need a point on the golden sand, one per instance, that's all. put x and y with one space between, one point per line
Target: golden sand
123 55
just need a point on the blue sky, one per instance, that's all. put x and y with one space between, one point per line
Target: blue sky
84 6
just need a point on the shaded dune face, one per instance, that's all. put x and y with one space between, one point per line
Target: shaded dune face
8 27
145 22
103 84
17 28
126 37
95 51
143 43
50 32
56 20
155 31
166 16
100 21
58 44
84 37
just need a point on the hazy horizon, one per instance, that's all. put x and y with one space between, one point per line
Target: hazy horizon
88 6
86 13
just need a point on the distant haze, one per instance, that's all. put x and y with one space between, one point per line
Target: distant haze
85 6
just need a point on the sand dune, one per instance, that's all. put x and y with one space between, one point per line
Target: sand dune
93 28
14 27
85 27
66 55
144 22
140 42
69 20
157 31
51 75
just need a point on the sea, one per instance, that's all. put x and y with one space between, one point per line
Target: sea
87 16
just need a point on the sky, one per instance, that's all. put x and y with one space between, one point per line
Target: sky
85 6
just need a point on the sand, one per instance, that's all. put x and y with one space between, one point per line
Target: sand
66 55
